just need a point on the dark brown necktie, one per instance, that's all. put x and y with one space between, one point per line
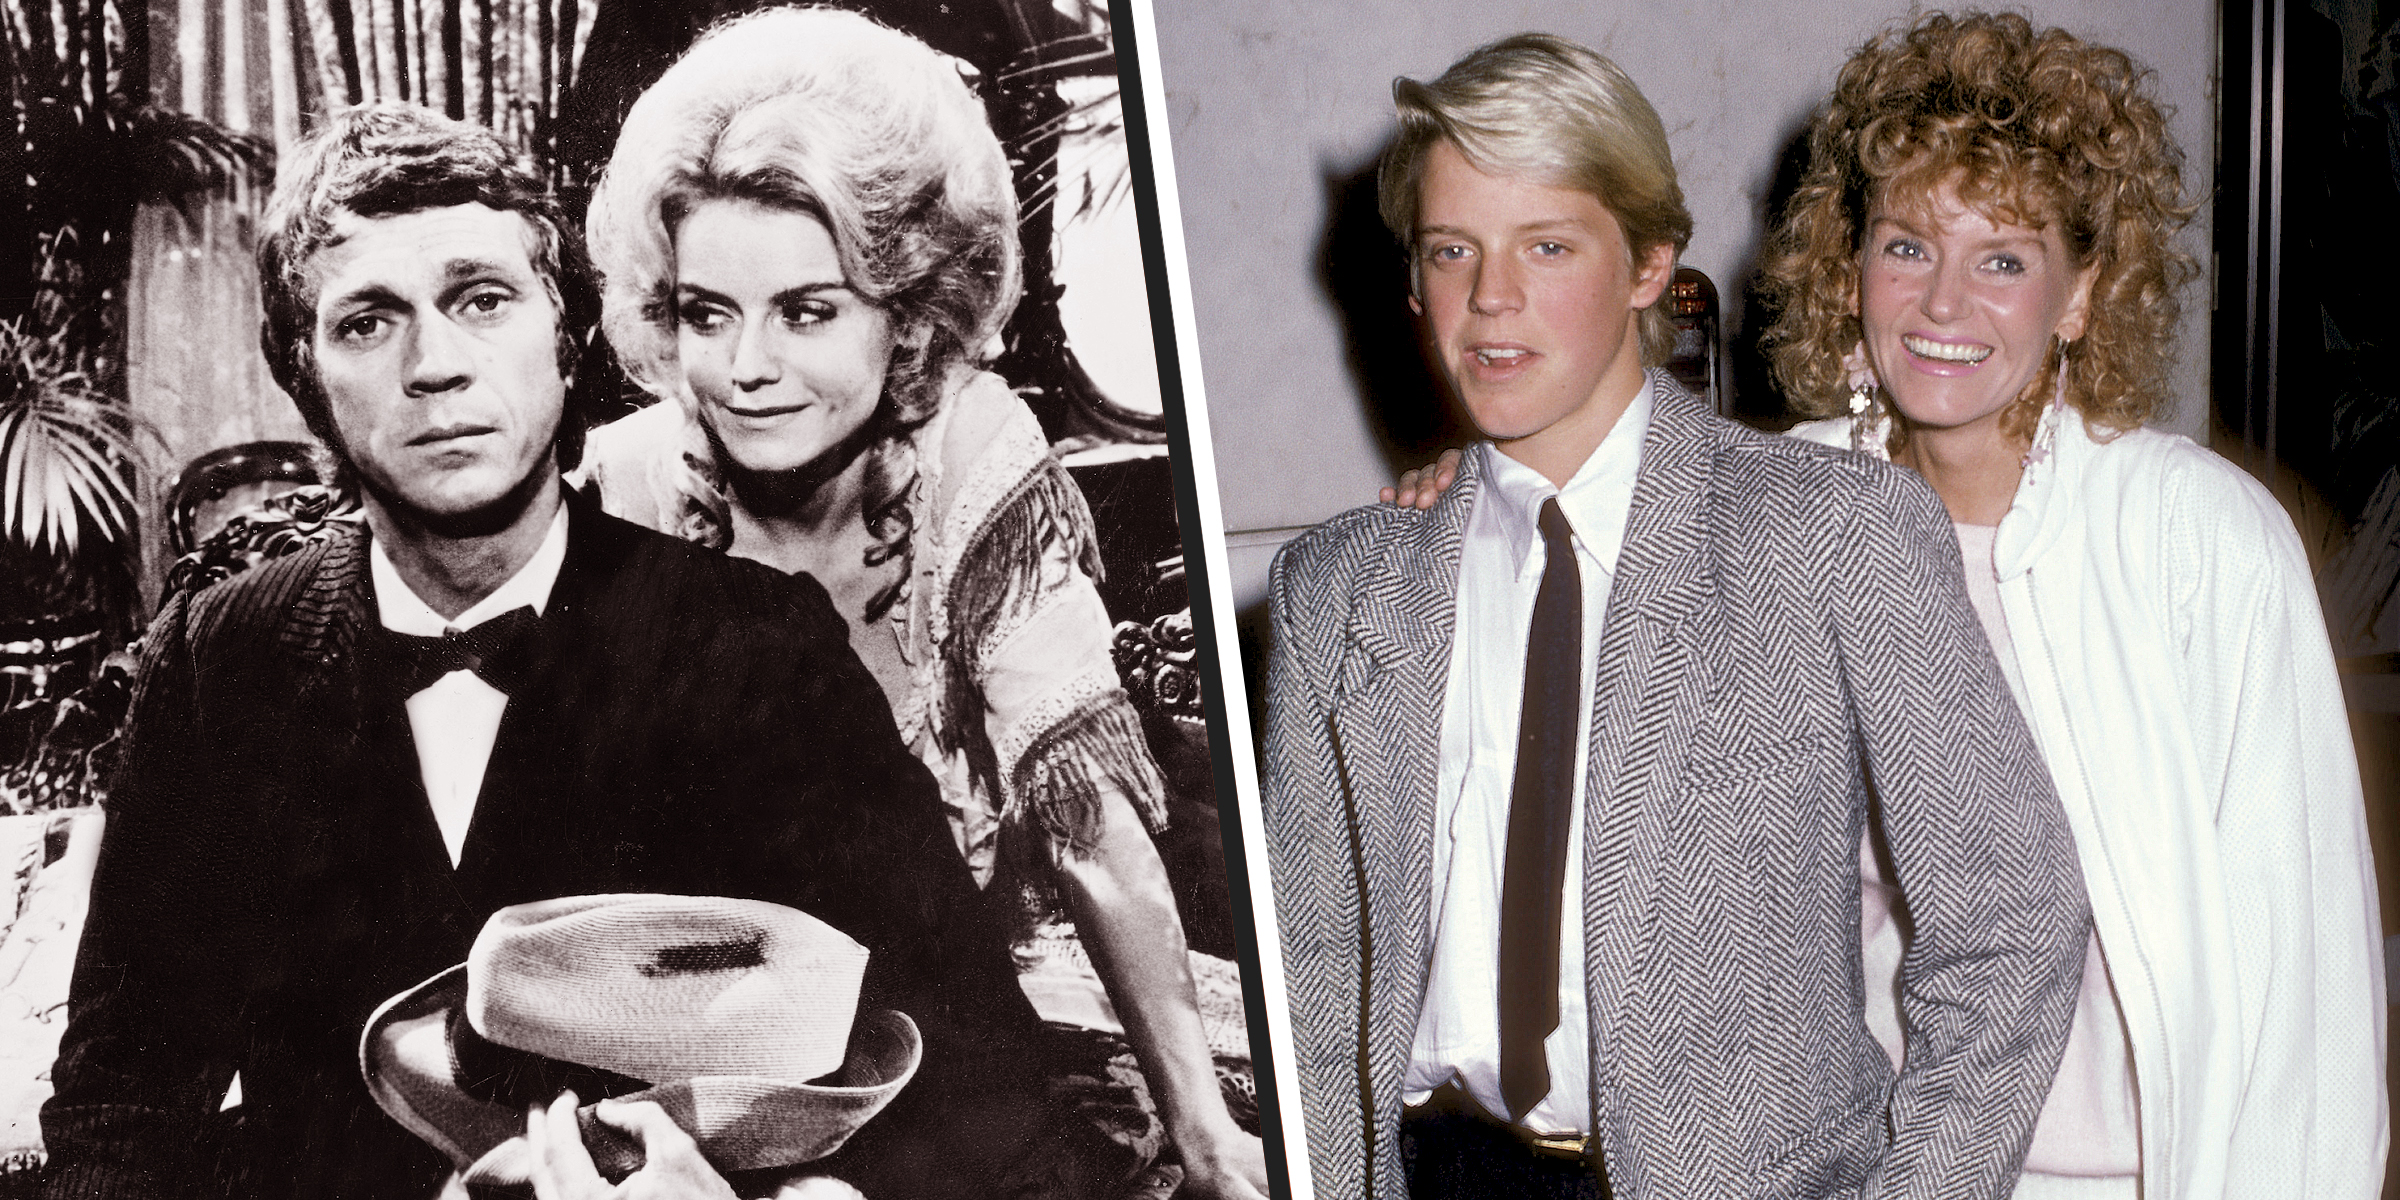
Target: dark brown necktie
1540 804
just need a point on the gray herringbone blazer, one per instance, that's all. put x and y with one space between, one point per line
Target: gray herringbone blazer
1788 656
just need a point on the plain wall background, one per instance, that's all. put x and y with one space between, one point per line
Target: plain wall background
1277 109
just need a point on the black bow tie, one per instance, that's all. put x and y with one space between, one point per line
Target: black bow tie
499 651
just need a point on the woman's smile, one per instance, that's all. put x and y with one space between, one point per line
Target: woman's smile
760 413
1961 310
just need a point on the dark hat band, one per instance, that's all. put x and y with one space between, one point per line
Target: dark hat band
519 1079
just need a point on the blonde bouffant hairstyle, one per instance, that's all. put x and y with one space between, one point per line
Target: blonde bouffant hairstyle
869 131
2032 128
1542 107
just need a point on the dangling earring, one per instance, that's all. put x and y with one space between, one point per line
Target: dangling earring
1866 427
2045 433
1861 377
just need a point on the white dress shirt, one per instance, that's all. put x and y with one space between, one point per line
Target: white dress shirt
1499 572
455 720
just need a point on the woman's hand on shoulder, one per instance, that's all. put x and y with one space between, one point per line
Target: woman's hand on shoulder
1419 488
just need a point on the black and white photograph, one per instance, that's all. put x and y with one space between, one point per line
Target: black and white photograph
593 602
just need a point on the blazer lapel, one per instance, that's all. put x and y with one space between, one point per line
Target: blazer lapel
1650 692
346 794
1387 730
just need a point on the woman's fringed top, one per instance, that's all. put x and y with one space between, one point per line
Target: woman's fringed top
1013 700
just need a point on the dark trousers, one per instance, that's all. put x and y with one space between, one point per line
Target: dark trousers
1451 1151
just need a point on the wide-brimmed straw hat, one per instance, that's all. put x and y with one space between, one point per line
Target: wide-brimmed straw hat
738 1017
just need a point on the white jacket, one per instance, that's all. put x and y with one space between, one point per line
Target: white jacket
2183 693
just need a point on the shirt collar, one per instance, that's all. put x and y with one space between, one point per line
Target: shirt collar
402 611
1597 497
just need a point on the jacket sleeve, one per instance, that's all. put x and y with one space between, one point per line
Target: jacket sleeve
1311 849
148 1048
1980 849
2275 751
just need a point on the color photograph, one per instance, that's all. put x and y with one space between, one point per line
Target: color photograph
1812 587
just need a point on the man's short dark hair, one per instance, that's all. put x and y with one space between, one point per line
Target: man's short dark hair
384 160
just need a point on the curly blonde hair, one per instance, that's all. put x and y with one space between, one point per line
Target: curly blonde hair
2033 128
874 134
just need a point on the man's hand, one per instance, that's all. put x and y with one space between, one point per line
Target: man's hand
1234 1168
1421 487
672 1167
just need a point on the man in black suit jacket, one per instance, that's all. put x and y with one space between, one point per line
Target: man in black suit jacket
312 817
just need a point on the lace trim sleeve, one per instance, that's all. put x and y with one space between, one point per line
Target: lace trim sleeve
1067 773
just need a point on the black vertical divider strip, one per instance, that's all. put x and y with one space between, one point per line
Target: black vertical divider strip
1195 567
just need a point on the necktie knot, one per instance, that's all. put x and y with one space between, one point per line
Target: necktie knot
1557 535
497 651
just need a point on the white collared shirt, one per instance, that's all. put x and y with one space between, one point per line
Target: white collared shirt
1499 572
455 720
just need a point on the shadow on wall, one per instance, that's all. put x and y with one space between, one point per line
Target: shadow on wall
1363 271
1252 630
1756 400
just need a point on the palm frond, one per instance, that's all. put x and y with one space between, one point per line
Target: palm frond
1080 69
175 155
66 450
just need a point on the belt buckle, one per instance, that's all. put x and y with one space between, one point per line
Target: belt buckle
1574 1146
